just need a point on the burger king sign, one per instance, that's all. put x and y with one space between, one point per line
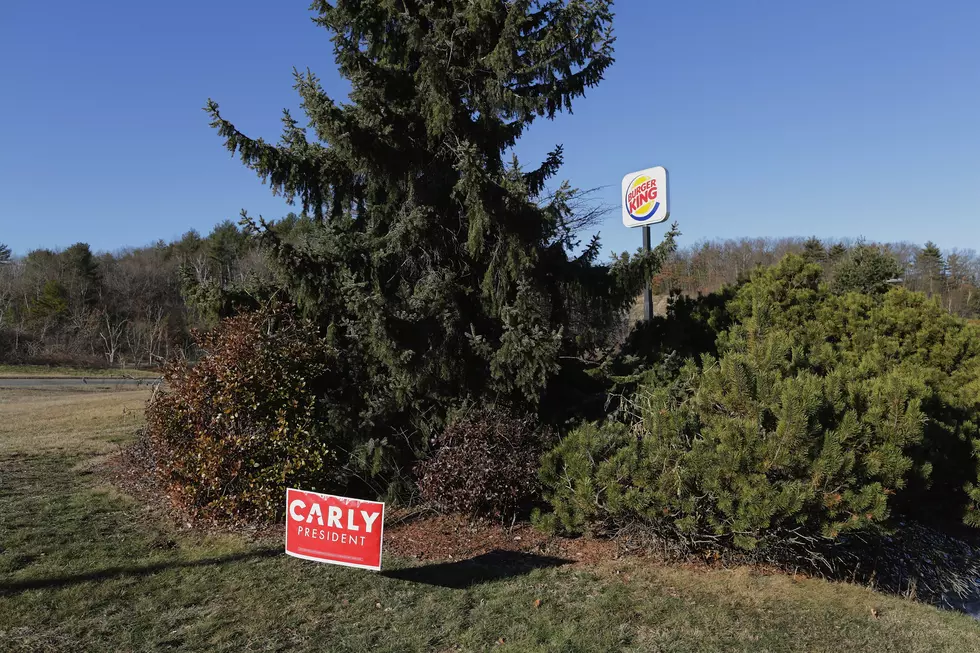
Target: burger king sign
645 197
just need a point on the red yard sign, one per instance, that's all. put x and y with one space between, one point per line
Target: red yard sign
338 530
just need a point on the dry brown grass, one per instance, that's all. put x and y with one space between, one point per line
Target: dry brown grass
68 420
45 371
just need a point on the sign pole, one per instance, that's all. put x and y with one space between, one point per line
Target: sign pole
647 290
645 203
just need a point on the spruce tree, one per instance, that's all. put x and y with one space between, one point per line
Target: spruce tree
814 251
82 274
5 254
931 269
836 252
444 269
866 269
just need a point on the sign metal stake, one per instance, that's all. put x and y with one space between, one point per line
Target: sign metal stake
647 290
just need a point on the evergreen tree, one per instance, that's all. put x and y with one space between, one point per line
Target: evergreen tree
188 245
836 252
930 268
225 245
865 269
4 254
81 273
814 251
446 270
51 304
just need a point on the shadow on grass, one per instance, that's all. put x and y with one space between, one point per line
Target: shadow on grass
489 567
56 582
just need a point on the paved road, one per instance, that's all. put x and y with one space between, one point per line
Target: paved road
23 382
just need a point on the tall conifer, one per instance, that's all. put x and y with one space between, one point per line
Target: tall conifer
443 267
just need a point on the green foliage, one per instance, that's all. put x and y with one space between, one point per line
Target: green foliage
212 300
658 349
224 245
931 269
82 264
528 353
231 433
448 270
865 269
814 251
213 281
52 304
821 414
836 252
5 253
485 464
571 474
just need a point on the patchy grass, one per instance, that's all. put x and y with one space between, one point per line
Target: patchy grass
85 568
72 420
47 371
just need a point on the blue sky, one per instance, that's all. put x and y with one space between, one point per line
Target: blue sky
837 118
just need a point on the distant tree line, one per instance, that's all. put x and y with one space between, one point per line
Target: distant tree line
134 307
953 276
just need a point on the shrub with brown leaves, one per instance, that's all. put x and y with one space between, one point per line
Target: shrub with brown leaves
485 464
233 431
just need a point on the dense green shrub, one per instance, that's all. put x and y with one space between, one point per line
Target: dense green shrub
249 419
740 449
821 414
484 464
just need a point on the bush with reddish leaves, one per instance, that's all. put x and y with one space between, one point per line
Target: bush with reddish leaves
485 464
232 432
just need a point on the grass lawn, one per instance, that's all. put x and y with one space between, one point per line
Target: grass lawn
85 568
8 371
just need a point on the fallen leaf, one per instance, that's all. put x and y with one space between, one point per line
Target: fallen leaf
500 641
874 612
537 603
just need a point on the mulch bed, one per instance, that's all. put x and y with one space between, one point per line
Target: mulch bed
409 533
451 537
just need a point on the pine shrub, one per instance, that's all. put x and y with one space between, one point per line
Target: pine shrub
821 415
